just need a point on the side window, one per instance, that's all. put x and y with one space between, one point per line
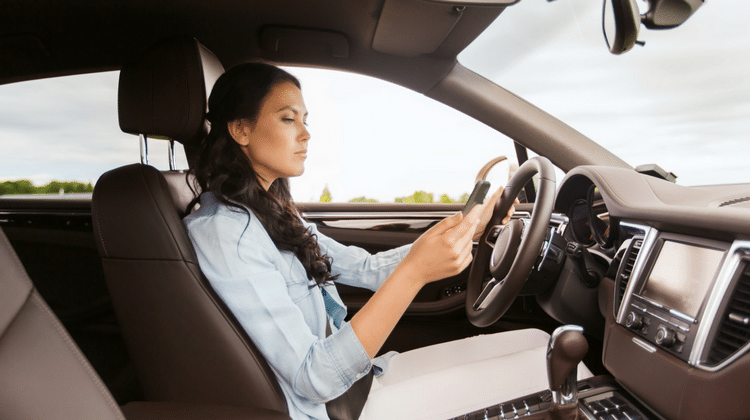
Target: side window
373 141
61 134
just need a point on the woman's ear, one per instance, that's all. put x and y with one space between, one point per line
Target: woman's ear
238 129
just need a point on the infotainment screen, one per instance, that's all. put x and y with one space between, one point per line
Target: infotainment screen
681 276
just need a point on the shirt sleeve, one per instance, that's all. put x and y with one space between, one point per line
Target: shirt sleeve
243 269
356 266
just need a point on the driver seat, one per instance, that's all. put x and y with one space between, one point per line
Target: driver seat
186 346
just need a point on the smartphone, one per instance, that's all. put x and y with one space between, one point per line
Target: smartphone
477 196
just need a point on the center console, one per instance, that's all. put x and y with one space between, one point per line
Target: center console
665 304
600 397
677 334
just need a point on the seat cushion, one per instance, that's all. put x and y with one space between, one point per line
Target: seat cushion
450 379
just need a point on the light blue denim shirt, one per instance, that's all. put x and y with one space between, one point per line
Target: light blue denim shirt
284 312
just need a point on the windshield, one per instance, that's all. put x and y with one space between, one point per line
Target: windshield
682 101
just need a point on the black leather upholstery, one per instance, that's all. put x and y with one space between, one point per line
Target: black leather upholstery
135 218
185 344
165 92
43 374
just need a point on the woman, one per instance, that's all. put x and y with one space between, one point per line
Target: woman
275 271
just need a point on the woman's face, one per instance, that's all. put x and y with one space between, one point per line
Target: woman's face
276 143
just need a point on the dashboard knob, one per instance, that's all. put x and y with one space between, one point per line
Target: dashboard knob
633 320
665 336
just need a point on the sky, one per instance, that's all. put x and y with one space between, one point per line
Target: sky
682 101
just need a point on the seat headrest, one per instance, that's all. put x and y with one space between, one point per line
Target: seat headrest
164 93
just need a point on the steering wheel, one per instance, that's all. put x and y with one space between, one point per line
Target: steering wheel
516 249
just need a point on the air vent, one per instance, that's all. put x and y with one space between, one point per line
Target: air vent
734 331
628 262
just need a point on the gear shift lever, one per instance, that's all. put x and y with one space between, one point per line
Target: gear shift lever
566 349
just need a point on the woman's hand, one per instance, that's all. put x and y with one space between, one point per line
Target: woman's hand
445 249
489 207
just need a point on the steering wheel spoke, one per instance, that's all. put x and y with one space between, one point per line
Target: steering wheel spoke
494 233
490 290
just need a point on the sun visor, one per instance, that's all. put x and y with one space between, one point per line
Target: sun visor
414 27
279 42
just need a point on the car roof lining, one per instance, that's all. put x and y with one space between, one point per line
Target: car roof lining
48 38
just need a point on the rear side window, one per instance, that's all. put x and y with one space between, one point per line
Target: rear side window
63 133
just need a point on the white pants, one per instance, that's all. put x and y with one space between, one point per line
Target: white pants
451 379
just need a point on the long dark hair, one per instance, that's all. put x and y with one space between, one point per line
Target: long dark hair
222 168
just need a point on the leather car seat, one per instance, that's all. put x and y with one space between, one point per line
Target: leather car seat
184 343
44 375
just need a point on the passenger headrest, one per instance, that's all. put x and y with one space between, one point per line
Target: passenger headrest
164 93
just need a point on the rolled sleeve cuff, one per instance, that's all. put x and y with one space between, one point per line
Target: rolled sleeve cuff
348 355
403 250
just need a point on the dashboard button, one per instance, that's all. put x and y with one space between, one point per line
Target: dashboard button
665 336
633 321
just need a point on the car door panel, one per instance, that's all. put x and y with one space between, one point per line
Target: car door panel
54 238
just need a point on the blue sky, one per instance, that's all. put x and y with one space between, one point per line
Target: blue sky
682 101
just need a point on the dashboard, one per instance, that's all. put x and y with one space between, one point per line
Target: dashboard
676 296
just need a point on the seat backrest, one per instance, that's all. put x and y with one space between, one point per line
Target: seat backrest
43 374
185 344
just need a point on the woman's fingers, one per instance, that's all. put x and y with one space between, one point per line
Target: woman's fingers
447 223
466 227
511 212
445 249
461 239
490 206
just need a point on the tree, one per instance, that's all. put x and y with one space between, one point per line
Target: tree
417 197
446 200
325 197
24 186
363 199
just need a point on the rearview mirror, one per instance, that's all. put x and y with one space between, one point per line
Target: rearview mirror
621 19
620 23
665 14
